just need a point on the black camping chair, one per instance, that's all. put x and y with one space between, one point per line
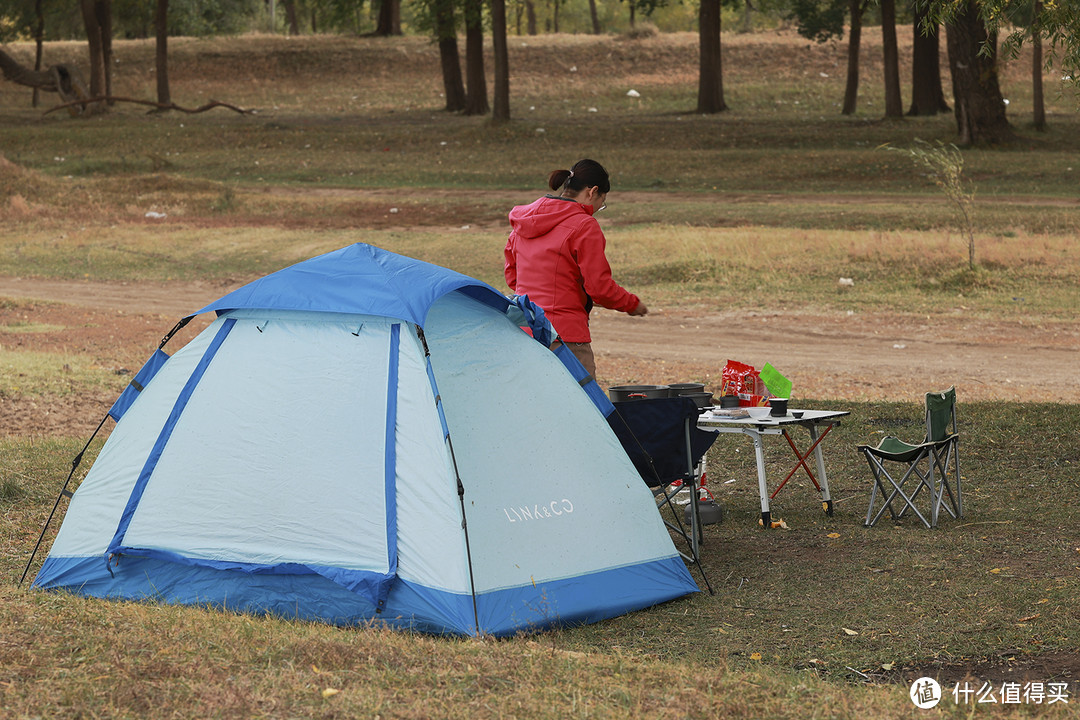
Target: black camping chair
662 439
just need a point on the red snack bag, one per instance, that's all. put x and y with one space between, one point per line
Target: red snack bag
743 380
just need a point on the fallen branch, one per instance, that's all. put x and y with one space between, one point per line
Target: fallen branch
161 106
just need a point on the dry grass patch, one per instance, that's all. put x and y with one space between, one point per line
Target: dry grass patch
23 192
160 662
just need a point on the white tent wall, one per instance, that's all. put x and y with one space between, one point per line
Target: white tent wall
96 506
431 542
274 437
550 493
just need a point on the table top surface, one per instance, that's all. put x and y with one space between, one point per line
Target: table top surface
808 416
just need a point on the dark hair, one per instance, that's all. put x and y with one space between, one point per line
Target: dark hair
585 173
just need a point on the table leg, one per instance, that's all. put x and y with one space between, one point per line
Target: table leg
826 497
763 488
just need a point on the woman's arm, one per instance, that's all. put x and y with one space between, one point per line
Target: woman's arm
596 271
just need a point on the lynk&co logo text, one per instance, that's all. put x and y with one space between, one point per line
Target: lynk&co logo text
554 508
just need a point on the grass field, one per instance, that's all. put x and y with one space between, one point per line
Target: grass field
823 619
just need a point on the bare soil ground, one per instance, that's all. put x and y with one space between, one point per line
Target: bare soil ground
827 356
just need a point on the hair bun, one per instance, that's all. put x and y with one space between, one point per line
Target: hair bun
558 178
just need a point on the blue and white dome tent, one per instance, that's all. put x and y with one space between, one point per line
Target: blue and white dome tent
363 435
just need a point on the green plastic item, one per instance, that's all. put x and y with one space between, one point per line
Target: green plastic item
777 384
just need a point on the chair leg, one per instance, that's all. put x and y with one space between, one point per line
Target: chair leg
878 469
873 496
936 493
954 456
913 469
953 507
909 500
956 469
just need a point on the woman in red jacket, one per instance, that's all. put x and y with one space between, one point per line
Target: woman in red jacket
555 255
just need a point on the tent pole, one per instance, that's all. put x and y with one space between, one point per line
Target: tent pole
78 460
460 485
63 492
465 529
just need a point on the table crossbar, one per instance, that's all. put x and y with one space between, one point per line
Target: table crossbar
801 460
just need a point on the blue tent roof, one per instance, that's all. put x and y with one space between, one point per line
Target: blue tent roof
358 279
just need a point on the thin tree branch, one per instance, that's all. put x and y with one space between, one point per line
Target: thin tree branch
161 106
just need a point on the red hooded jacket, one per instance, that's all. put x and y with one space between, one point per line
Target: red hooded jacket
555 255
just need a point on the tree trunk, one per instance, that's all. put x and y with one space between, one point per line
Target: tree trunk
594 17
103 10
290 17
927 94
451 72
389 22
1037 105
894 106
851 90
476 98
161 51
632 14
501 111
979 107
530 17
446 31
39 44
96 52
710 71
555 16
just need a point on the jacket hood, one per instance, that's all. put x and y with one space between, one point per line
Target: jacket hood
540 217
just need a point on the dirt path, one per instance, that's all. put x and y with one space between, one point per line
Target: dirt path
833 356
857 357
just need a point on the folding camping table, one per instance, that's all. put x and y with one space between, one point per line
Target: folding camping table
758 428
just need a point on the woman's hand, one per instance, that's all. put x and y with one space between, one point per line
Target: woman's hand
639 310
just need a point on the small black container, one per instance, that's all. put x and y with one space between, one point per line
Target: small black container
701 399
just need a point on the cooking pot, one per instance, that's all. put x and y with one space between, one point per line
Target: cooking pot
710 512
623 393
701 399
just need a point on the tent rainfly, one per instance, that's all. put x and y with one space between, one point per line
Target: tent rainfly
363 436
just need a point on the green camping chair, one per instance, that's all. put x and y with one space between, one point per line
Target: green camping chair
926 465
